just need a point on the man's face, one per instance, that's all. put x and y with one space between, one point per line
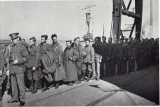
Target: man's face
54 39
78 41
121 41
96 40
109 40
68 44
31 42
43 40
15 41
87 43
104 39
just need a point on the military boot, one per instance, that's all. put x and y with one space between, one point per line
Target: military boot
89 75
35 87
83 75
57 85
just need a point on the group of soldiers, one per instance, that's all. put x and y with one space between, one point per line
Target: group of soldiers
129 55
47 65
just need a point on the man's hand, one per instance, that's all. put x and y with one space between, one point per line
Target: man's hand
15 62
100 60
33 69
7 73
0 73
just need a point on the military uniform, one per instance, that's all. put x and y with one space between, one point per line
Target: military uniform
59 73
88 61
110 63
104 57
34 61
20 53
80 60
132 53
122 56
47 78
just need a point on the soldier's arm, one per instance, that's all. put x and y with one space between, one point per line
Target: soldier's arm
60 54
75 55
25 44
24 54
92 54
37 56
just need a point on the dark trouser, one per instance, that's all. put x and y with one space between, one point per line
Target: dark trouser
110 67
103 69
138 61
34 75
122 66
18 87
131 65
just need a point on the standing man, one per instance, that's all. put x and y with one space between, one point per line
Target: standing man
71 55
103 63
131 55
44 47
18 56
88 60
79 63
33 66
59 73
98 57
110 66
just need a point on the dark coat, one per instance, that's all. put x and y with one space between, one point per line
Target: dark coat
59 73
34 57
70 57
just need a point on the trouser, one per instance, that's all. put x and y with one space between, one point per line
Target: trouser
131 65
122 66
138 61
18 87
88 67
97 67
110 67
102 69
34 75
79 69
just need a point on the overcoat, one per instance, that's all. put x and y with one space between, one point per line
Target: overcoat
59 73
71 55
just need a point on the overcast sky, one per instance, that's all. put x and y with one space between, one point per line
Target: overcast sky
65 18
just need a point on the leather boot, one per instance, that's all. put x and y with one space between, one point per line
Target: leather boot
83 75
57 85
89 75
45 86
35 87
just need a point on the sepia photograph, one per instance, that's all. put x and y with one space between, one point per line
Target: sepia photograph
79 53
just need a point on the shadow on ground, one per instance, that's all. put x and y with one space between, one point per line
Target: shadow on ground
144 83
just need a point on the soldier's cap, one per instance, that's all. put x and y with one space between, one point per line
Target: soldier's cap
14 35
53 35
44 36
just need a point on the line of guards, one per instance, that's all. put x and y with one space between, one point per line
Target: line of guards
47 65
